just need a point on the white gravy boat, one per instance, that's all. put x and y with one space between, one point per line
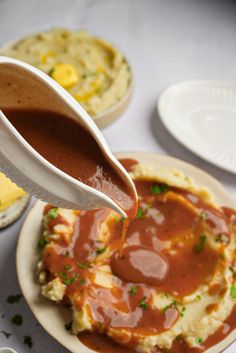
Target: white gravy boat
30 88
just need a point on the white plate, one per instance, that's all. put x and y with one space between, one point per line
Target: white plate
53 317
202 116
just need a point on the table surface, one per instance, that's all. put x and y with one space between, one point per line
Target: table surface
166 41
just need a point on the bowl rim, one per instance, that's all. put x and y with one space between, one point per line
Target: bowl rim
28 283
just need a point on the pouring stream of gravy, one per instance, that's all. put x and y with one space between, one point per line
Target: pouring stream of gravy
71 148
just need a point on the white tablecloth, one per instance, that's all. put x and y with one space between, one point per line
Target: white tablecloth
166 41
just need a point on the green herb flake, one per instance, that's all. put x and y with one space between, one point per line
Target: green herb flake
198 340
100 250
68 326
203 216
82 282
82 265
133 290
140 213
42 243
159 189
50 72
200 245
6 334
17 320
182 312
14 298
173 304
67 280
143 304
233 291
222 238
52 214
166 308
198 297
28 341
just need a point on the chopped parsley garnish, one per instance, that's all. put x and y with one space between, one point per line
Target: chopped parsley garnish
222 238
50 72
53 213
233 291
82 282
100 250
133 290
159 189
143 304
28 341
198 297
140 213
6 334
68 326
200 245
173 304
203 216
14 298
182 312
42 243
17 320
82 265
68 280
198 340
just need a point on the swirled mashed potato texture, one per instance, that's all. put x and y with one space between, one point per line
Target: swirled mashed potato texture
176 219
95 72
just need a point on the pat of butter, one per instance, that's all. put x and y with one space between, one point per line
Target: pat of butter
65 74
9 192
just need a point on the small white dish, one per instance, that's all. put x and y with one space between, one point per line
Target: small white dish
53 317
202 116
12 213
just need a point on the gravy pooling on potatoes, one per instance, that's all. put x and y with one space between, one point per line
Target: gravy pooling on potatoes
71 148
166 214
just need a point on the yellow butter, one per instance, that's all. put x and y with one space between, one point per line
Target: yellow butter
9 192
65 74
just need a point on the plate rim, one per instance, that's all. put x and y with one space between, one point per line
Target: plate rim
73 343
160 107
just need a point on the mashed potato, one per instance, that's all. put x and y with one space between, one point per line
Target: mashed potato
92 70
180 221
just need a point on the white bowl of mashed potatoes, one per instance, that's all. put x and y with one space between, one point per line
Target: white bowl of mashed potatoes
91 69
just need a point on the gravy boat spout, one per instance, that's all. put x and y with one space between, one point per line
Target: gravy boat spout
25 87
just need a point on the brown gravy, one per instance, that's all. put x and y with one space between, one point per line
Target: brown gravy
71 148
102 344
161 220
